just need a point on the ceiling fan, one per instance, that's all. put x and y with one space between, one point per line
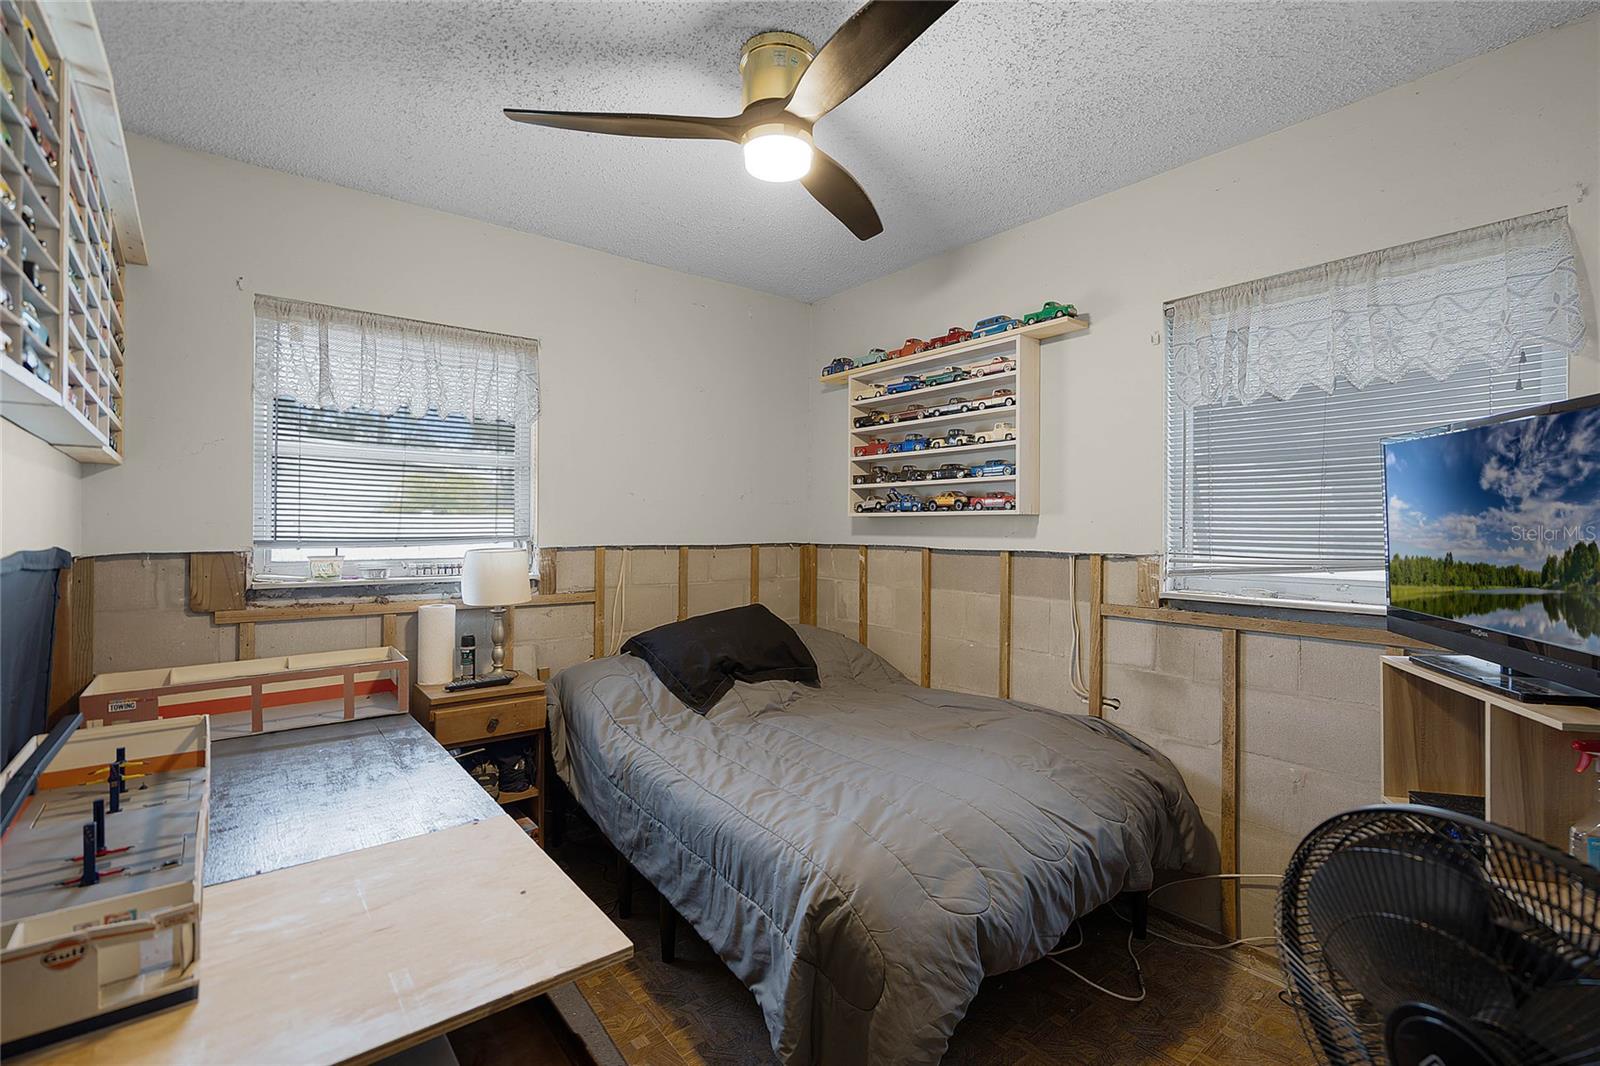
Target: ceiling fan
788 85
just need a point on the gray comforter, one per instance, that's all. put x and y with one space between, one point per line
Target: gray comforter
863 854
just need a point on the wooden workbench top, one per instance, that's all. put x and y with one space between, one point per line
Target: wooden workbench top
357 956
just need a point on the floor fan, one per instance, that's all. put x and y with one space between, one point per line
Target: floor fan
1422 937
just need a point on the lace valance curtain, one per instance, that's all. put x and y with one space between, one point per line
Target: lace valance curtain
1481 296
337 359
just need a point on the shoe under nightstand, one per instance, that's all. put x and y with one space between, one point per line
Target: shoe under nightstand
479 716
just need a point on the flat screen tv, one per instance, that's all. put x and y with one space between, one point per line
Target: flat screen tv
1493 534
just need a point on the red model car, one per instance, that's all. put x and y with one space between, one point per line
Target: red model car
993 501
876 446
955 336
911 347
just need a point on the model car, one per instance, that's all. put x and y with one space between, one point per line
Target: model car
911 473
873 418
946 376
905 384
955 405
1051 309
997 398
30 322
38 49
947 471
911 347
946 501
911 413
876 474
993 501
912 442
839 365
872 393
998 365
876 355
955 336
863 479
988 327
876 446
871 503
1001 431
992 468
955 439
903 501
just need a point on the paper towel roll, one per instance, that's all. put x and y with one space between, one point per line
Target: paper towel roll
436 643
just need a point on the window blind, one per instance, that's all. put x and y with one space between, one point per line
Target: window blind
1280 498
372 431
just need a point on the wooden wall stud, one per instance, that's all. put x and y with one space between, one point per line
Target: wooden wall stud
861 596
1149 581
755 573
927 617
808 584
391 629
683 583
1230 781
547 569
247 640
1097 626
1005 626
599 603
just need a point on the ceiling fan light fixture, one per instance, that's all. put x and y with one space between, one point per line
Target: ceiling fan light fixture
777 151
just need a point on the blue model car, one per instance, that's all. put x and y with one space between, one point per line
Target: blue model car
912 442
992 468
988 327
905 384
839 365
902 501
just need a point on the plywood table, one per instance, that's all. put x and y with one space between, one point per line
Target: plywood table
357 956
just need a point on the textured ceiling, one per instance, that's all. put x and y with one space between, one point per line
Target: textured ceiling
1002 113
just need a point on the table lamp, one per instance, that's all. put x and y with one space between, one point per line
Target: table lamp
496 578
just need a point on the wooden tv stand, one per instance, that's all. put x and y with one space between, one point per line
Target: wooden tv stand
1441 734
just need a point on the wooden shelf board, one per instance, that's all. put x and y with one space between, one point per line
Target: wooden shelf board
1054 327
972 512
940 484
988 384
517 797
990 416
931 453
1551 715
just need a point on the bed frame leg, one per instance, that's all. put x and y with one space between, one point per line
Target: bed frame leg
1139 907
624 887
669 932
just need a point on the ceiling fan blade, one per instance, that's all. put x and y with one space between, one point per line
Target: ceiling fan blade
689 127
832 186
859 50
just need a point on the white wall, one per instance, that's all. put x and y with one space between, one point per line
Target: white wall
40 502
1507 133
659 389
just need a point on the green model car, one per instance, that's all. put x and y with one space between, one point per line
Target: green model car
1051 309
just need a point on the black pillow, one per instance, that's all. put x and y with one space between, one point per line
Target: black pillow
700 658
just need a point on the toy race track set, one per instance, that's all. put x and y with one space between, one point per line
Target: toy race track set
104 841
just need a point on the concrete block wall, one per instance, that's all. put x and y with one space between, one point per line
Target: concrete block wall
837 582
894 607
965 626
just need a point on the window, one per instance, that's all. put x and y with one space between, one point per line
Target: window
1280 392
385 443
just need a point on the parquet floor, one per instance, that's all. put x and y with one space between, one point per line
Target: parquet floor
1203 1008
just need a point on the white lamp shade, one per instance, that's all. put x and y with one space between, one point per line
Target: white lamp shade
495 577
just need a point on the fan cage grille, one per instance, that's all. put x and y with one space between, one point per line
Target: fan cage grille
1551 900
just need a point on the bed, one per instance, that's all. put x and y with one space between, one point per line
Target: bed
862 854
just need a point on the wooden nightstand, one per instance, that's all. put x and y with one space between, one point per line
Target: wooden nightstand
480 715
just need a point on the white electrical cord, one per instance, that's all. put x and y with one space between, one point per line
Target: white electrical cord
1138 970
616 601
1075 674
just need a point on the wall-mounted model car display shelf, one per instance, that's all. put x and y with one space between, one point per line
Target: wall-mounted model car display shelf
954 431
1051 327
67 217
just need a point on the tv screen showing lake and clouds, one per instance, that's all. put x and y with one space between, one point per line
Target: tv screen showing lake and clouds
1499 527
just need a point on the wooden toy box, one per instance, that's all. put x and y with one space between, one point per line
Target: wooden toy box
258 695
78 957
